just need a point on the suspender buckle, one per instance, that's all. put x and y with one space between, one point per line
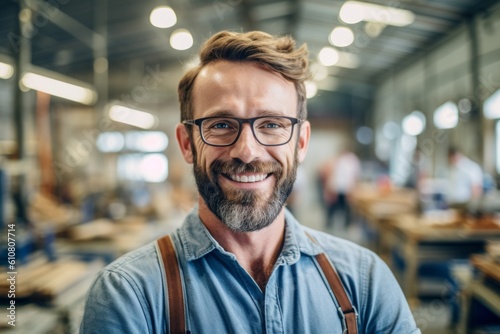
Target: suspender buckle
345 330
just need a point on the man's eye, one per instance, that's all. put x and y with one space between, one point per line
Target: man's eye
220 125
272 125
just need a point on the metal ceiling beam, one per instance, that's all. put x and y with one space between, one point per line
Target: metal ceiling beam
67 23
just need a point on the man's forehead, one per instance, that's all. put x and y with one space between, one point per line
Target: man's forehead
224 83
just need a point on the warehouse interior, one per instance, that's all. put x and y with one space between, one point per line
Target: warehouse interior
90 168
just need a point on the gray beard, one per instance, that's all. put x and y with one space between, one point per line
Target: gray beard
244 210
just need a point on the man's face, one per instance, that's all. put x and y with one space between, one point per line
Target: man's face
246 184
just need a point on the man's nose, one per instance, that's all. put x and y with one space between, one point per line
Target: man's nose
246 148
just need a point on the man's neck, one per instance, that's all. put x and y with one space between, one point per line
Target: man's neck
257 251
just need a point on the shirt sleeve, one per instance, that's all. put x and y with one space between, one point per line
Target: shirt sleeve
115 305
384 306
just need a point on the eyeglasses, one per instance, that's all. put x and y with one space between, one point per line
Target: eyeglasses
225 131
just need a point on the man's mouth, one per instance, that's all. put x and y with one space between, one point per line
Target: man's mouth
248 178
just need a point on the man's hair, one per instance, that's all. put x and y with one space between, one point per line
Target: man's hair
276 54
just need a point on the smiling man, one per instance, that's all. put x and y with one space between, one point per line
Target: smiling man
241 262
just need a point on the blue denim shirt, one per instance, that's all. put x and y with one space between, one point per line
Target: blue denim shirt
129 295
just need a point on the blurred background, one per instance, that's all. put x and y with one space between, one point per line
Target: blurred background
404 156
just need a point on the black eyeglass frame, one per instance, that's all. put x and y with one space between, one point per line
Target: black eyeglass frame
242 121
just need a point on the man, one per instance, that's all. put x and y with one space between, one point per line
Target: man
247 265
466 179
342 177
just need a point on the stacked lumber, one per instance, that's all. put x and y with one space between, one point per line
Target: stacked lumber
45 209
42 280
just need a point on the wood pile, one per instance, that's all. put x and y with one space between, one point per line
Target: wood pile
43 280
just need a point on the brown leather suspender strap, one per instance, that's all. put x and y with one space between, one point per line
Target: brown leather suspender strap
339 291
177 319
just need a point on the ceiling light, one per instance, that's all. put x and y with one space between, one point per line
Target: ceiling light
351 12
311 89
414 123
110 142
446 116
364 135
341 37
146 141
328 56
59 88
163 17
355 11
6 70
133 117
491 107
181 39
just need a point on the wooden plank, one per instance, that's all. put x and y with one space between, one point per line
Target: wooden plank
487 266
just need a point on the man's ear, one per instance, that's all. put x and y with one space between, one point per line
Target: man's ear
303 143
184 142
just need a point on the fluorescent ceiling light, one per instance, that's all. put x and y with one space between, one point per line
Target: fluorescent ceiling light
328 56
59 88
414 123
154 168
146 141
6 70
446 116
491 106
131 116
143 167
341 37
355 11
181 39
163 17
311 89
110 142
364 135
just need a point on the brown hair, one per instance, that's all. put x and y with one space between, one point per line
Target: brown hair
277 54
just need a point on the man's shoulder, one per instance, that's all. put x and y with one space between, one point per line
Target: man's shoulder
141 262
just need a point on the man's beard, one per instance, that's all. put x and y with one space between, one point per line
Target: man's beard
244 210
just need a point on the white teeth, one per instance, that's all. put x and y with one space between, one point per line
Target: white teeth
248 179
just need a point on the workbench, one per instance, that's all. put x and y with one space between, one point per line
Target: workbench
415 243
485 289
376 208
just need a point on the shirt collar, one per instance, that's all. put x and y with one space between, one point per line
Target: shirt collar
197 240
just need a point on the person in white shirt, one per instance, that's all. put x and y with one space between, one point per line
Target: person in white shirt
344 173
466 179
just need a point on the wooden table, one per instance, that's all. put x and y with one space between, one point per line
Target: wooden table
485 289
376 208
417 242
